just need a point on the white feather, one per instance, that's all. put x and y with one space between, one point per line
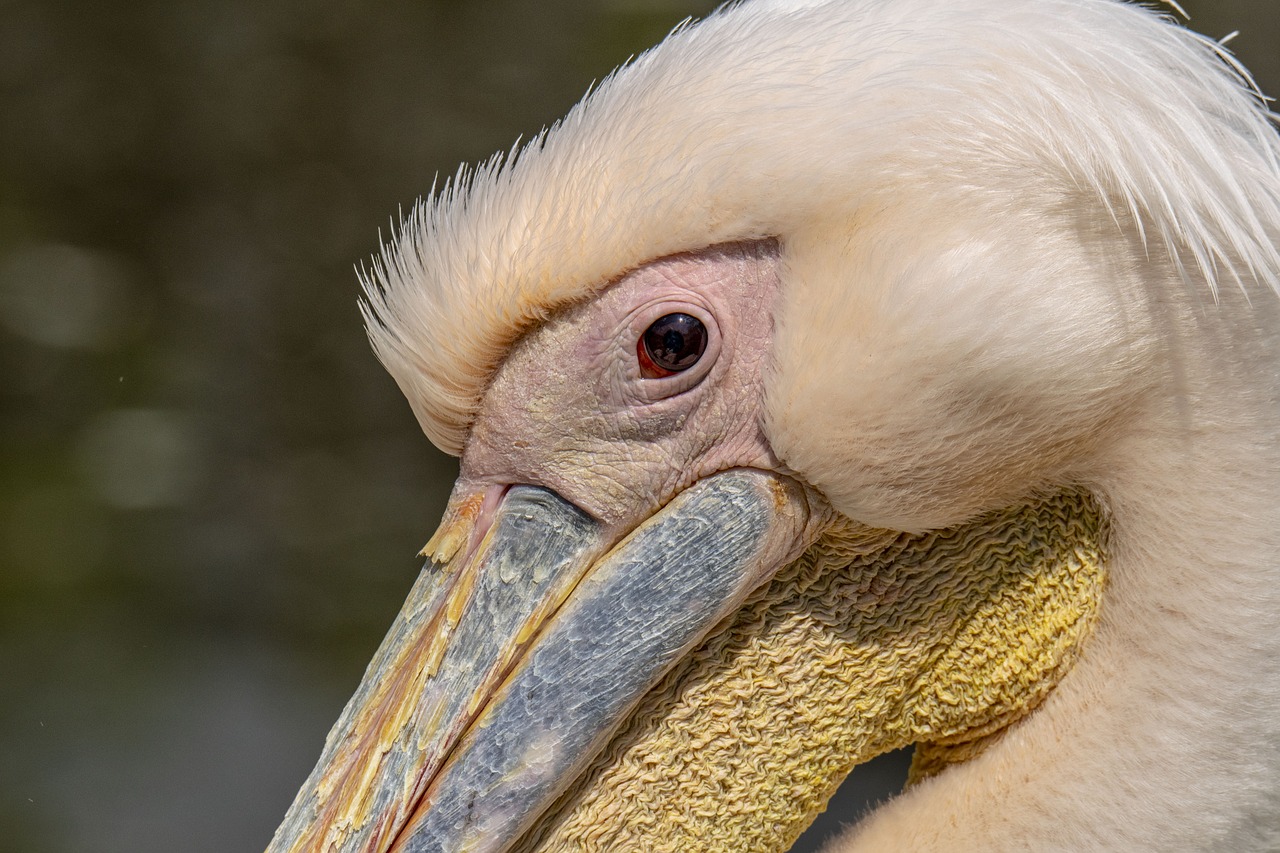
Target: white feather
768 119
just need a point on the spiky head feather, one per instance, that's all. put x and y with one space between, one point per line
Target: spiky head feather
840 128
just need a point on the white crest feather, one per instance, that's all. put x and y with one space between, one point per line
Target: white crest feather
785 118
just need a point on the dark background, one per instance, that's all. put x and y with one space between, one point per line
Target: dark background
210 493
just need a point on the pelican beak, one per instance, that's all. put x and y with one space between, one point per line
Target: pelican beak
521 650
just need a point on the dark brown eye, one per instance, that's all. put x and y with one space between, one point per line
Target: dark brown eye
672 344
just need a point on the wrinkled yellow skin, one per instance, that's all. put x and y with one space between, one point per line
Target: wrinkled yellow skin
869 642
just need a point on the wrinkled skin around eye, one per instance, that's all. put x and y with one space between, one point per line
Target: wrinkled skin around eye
572 410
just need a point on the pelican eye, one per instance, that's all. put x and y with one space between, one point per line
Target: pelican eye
673 343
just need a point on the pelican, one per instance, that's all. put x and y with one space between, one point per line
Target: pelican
838 376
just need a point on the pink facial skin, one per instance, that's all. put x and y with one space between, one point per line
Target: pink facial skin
570 409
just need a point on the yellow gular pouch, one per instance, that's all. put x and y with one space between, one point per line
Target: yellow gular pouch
871 641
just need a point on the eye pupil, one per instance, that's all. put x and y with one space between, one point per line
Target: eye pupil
675 342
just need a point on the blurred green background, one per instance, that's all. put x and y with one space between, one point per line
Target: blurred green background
210 493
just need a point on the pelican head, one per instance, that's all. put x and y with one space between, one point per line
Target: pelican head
839 376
